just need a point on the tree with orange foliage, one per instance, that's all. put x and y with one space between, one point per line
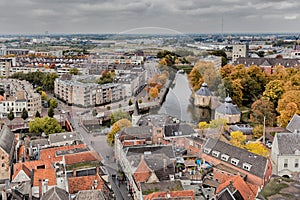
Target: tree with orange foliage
153 92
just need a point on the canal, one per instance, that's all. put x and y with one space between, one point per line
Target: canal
179 102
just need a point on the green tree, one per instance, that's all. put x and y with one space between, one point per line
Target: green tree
24 114
116 127
10 115
130 102
117 115
52 103
37 114
51 112
45 125
74 71
48 81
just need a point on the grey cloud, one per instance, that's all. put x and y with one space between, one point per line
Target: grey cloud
70 16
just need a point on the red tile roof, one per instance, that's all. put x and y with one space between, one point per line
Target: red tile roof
172 194
50 154
247 190
84 183
82 157
143 172
43 174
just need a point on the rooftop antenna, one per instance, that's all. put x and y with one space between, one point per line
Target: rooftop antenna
222 27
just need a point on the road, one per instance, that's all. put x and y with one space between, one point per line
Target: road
99 144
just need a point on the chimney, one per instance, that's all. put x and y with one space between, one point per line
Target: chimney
40 188
165 164
97 170
74 172
4 196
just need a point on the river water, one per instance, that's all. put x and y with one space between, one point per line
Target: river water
179 102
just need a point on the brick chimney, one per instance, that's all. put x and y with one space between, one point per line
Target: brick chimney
40 188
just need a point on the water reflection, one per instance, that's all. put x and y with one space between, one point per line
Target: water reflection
179 102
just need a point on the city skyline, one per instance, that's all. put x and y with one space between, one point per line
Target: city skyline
170 16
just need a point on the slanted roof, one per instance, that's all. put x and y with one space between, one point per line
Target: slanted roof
239 188
176 195
56 193
77 184
258 163
294 124
204 90
6 139
82 157
143 172
178 129
167 150
90 195
162 186
288 143
228 108
43 174
60 137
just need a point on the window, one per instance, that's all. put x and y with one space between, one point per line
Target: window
215 153
296 163
247 166
285 164
234 161
224 157
3 164
207 150
2 157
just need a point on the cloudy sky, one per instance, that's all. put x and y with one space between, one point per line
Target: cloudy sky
135 16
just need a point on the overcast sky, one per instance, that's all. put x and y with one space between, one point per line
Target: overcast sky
130 16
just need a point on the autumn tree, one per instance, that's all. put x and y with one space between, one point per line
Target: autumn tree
263 108
202 125
116 127
237 138
257 148
153 92
288 105
273 91
258 131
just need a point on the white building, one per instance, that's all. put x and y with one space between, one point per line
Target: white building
285 155
239 50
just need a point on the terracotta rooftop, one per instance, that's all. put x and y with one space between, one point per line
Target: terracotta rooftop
43 174
188 194
247 190
82 157
142 172
30 165
50 154
77 184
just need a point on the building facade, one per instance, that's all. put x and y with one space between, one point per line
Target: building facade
19 95
239 51
285 155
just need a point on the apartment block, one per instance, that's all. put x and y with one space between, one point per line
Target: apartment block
18 95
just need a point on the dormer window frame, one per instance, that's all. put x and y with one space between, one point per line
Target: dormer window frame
224 157
247 166
215 153
206 150
234 161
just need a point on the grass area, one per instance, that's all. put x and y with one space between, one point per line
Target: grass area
274 187
82 165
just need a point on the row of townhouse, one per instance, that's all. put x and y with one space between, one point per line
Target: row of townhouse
112 59
9 67
63 166
74 90
18 95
